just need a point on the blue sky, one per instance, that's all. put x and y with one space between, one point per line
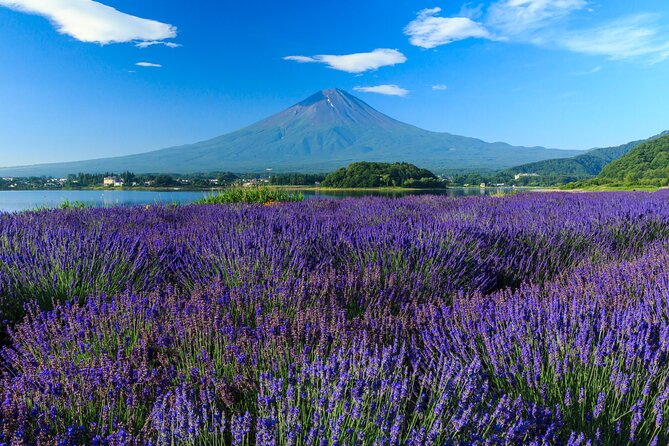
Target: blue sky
558 73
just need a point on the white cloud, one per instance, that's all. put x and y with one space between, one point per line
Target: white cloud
91 21
545 23
514 17
388 90
439 87
471 12
355 63
637 37
149 43
429 31
302 59
148 65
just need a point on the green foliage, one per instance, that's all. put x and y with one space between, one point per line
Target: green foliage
423 183
646 165
67 204
476 178
567 173
567 170
296 179
197 181
227 178
260 195
164 181
367 174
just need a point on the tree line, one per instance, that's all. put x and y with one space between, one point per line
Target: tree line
368 174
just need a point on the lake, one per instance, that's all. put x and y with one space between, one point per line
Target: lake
12 201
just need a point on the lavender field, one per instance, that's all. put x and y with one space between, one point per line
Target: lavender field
538 319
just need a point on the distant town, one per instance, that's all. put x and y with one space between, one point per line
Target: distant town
216 180
129 180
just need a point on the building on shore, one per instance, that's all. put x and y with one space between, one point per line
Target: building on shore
112 182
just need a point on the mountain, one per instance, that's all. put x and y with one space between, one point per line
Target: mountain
647 164
328 130
587 165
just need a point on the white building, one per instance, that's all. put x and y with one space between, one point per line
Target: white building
113 182
518 176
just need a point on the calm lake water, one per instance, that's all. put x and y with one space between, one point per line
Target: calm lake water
12 201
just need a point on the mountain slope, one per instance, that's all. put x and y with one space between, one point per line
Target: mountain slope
647 164
587 165
326 131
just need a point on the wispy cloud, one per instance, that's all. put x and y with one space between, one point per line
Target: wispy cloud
637 37
545 23
148 65
91 21
150 43
429 30
471 12
355 63
303 59
516 17
439 87
388 90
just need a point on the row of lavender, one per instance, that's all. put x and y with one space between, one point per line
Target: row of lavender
532 319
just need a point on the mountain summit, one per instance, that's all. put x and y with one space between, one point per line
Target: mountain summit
330 109
329 129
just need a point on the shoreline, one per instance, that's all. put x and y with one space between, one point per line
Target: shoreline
219 189
356 189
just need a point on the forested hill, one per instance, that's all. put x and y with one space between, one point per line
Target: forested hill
582 166
366 175
646 165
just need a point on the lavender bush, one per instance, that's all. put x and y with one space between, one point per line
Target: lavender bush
530 319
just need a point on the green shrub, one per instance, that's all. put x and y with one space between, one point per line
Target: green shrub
365 174
260 195
67 204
